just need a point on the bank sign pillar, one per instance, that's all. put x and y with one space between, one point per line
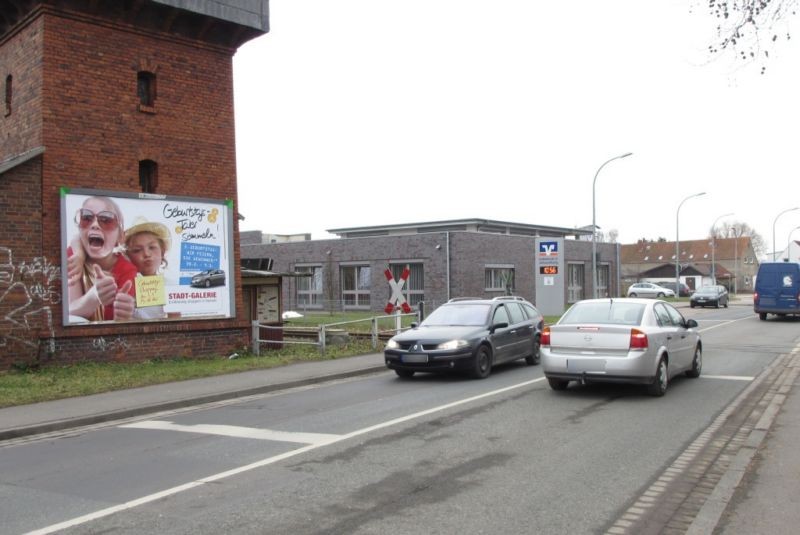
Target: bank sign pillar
550 274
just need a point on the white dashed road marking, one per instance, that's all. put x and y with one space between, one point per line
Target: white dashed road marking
237 432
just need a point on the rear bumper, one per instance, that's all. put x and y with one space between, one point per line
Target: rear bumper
636 367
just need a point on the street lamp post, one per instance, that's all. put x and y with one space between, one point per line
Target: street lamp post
774 245
594 226
714 246
678 242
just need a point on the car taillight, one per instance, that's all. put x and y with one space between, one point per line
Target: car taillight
638 339
755 297
545 338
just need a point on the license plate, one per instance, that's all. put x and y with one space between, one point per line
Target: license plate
586 365
415 358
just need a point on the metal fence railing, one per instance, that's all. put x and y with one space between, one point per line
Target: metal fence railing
325 334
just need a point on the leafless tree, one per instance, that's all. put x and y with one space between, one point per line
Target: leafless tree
749 28
738 229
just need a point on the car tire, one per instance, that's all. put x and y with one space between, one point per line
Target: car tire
557 384
404 374
482 366
660 294
691 305
726 304
632 294
536 353
697 363
762 316
660 382
716 305
208 284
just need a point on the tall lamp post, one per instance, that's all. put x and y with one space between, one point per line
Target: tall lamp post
678 241
714 247
774 245
594 226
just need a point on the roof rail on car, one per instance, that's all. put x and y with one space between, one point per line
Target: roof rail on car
453 300
508 298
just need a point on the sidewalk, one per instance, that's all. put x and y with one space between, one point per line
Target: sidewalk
74 412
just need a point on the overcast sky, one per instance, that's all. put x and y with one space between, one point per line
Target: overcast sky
370 112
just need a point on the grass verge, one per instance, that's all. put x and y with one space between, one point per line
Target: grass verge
21 387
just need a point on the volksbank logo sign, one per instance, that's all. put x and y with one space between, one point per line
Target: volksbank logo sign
548 249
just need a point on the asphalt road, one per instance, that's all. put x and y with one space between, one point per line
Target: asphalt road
377 454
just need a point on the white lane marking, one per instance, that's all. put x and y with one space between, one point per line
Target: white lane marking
729 377
704 329
237 432
264 462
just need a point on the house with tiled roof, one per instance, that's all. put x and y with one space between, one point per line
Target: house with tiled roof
734 262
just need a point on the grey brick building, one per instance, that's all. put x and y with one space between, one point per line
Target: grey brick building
446 259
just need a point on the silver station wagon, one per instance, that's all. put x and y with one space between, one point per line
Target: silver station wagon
625 340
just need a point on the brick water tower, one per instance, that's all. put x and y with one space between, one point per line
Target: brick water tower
133 99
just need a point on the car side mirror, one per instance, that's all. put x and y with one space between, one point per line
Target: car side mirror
414 324
691 324
501 325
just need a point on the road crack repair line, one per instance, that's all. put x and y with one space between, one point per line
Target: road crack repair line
690 496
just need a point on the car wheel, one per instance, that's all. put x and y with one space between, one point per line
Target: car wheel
483 363
536 355
660 294
632 294
726 304
697 363
405 374
659 385
208 283
557 384
691 305
762 316
716 305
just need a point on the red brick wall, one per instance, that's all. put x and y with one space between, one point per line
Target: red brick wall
20 56
83 108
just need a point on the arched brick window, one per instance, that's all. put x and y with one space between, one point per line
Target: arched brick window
148 176
146 88
9 93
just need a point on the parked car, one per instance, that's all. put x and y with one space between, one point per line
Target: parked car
684 290
637 341
210 277
709 296
648 289
470 335
777 289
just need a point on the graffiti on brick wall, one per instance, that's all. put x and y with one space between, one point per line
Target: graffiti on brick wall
103 345
27 290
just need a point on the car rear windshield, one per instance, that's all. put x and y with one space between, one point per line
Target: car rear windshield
612 312
458 314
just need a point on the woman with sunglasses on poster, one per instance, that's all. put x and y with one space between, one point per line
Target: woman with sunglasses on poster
100 277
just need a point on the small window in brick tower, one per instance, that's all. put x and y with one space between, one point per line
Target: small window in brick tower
146 87
148 176
9 93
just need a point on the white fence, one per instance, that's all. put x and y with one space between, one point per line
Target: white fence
329 333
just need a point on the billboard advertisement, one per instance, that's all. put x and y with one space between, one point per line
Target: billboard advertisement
145 257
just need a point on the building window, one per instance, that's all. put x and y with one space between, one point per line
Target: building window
146 90
574 283
602 280
414 287
9 93
499 278
356 283
148 176
309 289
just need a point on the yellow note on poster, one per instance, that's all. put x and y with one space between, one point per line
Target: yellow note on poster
150 291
